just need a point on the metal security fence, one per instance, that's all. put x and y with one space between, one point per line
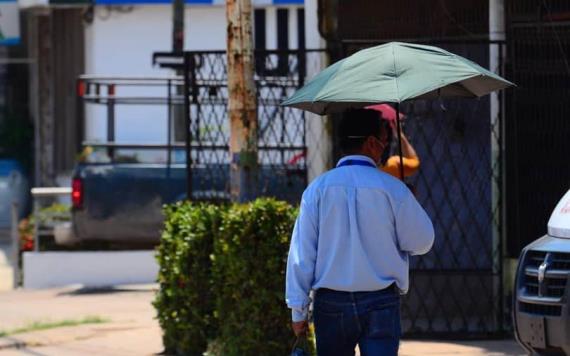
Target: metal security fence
456 289
537 125
285 157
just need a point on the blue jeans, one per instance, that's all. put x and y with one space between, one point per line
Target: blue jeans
369 319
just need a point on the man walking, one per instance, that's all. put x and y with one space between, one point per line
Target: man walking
351 242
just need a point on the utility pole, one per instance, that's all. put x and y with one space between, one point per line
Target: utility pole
177 25
178 47
242 106
42 95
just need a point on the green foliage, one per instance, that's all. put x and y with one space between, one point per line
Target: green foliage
249 277
222 278
184 301
54 213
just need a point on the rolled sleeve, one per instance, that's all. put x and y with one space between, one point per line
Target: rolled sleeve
301 261
299 314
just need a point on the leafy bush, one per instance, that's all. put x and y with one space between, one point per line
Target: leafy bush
222 278
249 274
184 301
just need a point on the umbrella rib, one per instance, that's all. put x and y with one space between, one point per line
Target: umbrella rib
438 86
396 75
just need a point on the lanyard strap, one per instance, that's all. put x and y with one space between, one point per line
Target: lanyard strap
356 162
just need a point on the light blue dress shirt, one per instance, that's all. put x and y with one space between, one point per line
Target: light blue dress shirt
355 230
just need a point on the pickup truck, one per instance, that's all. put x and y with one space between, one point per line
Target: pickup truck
542 289
117 198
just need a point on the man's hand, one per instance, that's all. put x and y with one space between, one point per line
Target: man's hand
299 327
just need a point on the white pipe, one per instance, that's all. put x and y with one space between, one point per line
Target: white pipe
318 129
496 60
50 191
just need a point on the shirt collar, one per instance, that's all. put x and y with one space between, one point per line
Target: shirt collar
357 157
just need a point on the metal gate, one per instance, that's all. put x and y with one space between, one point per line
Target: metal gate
456 289
537 125
282 132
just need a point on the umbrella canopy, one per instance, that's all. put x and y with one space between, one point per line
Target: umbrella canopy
393 73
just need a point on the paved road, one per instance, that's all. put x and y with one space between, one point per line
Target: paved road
132 329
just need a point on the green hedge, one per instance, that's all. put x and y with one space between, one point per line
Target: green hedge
249 274
222 278
185 302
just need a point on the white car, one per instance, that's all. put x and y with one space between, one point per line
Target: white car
541 310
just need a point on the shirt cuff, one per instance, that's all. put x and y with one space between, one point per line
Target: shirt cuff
299 314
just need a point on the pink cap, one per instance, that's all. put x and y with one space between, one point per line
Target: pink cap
388 112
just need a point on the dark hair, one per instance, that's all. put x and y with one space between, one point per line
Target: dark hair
389 136
356 126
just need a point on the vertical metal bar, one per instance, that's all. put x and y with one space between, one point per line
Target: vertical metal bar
194 92
111 125
496 33
281 110
502 187
400 141
178 26
302 66
97 93
15 245
302 72
188 131
169 128
79 112
36 223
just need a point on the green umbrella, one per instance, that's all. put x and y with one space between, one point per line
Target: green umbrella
393 73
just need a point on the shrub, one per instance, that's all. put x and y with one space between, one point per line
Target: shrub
249 278
184 301
222 278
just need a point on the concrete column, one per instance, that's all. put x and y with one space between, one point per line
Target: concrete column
42 95
318 129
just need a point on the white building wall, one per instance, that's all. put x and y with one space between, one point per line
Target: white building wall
52 269
121 43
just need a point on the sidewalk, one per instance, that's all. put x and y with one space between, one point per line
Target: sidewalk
6 271
131 329
471 348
